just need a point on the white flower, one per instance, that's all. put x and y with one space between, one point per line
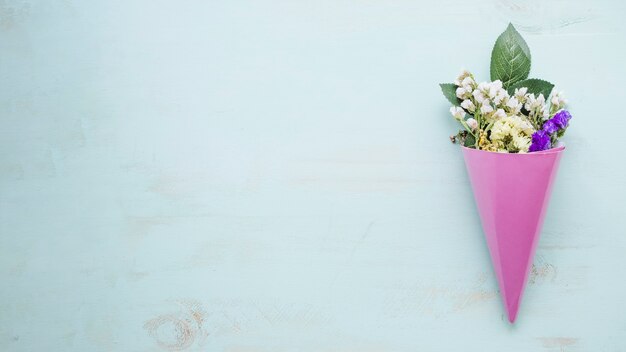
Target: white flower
501 96
473 124
457 112
464 74
520 93
499 114
478 96
468 82
484 87
541 100
530 102
494 88
514 105
557 99
462 93
554 100
468 105
486 108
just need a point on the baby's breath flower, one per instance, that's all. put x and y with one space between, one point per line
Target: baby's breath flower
479 96
514 105
541 100
461 93
464 74
499 114
472 123
557 101
468 105
495 88
457 112
533 103
486 107
520 93
468 82
501 97
530 102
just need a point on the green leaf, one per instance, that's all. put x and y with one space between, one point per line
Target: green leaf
510 58
534 85
470 141
449 91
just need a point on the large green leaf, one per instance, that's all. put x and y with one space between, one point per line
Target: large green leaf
449 91
510 58
534 85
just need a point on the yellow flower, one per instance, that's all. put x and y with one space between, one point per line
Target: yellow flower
512 134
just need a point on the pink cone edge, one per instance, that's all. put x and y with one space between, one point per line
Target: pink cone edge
512 192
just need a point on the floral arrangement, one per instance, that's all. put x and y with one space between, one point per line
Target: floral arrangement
512 113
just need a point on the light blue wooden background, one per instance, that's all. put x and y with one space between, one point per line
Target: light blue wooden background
256 176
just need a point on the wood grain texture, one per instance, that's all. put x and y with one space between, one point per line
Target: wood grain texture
276 176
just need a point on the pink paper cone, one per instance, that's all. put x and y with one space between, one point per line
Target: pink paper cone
512 193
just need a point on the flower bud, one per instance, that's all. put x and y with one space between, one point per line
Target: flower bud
472 123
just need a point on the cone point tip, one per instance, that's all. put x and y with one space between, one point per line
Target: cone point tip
512 314
512 319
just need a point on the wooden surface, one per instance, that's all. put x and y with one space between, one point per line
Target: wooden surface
276 176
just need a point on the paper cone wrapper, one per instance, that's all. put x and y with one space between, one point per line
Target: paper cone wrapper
512 193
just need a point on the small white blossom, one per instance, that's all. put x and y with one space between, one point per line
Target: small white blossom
464 74
530 101
520 92
514 105
457 112
486 108
468 82
557 100
533 103
478 96
484 87
502 96
472 123
462 93
468 105
499 114
495 88
541 100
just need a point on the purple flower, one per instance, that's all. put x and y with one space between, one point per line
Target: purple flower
561 119
550 127
540 141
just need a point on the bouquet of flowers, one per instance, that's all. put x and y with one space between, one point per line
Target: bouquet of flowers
512 113
510 138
